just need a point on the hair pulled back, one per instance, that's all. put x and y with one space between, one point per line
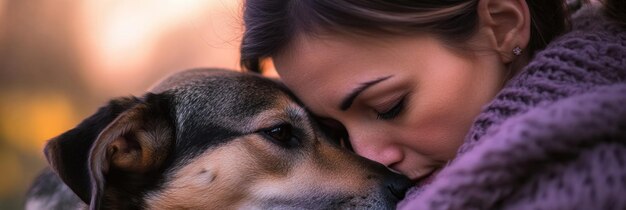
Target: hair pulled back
271 24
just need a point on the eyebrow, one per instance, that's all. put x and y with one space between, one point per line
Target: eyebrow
349 99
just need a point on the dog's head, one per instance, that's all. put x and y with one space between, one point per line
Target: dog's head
215 139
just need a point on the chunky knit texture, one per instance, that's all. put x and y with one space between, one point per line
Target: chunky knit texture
553 138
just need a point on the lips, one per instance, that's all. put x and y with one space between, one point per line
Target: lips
427 178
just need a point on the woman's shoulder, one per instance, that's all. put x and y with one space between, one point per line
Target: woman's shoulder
566 155
553 137
597 18
597 37
591 55
594 39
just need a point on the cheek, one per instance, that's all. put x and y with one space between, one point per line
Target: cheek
436 140
446 102
439 117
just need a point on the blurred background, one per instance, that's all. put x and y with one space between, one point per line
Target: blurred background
60 60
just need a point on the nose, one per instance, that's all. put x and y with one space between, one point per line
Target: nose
392 185
397 185
376 147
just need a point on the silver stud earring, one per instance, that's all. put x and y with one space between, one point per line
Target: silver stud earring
517 51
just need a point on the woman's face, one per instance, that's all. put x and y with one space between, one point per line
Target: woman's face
406 102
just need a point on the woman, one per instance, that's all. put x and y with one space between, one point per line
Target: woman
465 86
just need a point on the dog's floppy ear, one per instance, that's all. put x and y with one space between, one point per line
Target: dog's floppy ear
128 135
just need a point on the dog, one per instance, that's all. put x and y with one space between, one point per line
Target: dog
208 139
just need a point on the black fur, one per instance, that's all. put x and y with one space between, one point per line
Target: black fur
196 113
73 143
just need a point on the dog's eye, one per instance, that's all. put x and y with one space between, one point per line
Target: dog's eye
282 134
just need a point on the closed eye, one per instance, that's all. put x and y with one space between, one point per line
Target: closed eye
394 111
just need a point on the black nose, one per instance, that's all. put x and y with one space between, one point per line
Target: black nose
397 185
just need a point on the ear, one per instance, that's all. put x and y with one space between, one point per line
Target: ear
127 135
507 23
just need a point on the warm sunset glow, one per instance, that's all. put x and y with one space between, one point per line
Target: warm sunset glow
11 173
122 38
2 8
27 122
64 59
128 29
30 120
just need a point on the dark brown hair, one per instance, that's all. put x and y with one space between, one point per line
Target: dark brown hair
271 24
616 9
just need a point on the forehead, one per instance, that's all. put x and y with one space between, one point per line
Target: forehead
322 69
209 110
226 99
233 95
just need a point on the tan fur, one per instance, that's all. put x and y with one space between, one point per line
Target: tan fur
319 173
250 169
205 182
266 158
208 181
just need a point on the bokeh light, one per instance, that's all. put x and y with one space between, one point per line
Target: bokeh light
61 60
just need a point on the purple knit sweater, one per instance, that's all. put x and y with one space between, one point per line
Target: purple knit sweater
553 138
